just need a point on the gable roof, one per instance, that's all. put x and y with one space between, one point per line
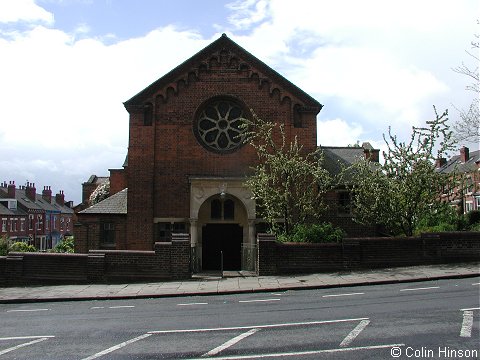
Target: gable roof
338 158
455 165
224 42
115 204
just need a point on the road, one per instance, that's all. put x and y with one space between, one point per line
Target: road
435 320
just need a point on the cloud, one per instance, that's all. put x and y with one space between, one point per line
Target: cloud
12 11
337 132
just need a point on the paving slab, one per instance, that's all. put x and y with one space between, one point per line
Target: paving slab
235 282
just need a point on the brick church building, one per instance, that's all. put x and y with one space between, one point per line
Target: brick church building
186 162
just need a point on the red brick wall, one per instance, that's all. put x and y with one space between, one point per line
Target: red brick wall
118 180
169 261
358 253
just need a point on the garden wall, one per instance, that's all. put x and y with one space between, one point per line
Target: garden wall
364 253
169 260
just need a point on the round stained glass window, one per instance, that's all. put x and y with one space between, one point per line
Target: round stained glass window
218 126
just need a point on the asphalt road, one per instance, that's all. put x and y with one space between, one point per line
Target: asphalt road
423 320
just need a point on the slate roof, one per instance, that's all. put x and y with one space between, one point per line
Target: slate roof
5 211
115 204
455 165
222 42
336 158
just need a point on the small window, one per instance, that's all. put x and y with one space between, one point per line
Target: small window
107 235
228 210
216 209
297 116
344 206
165 230
148 114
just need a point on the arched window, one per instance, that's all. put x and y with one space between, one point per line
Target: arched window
222 209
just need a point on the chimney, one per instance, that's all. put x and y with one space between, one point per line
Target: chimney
440 162
60 198
11 189
464 154
371 153
30 191
47 194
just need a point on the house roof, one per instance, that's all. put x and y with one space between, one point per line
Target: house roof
455 165
338 158
193 63
115 204
5 211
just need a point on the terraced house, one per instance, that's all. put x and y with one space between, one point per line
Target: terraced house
41 220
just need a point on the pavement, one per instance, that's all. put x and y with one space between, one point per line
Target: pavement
235 283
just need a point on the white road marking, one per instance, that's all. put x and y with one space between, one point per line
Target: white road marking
349 294
192 304
26 337
303 353
229 343
259 300
467 324
116 347
22 345
97 307
425 288
476 284
470 309
256 326
121 306
355 332
27 310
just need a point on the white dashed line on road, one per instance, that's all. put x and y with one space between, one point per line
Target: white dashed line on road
258 300
470 309
475 284
424 288
121 307
348 294
27 310
192 304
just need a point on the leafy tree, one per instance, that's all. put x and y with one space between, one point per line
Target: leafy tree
467 128
406 187
288 183
100 193
3 246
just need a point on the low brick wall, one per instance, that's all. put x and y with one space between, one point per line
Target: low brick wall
361 253
170 260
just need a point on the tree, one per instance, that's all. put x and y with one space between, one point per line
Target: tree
406 187
100 193
467 128
288 183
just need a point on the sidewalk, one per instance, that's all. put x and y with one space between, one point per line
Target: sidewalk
234 283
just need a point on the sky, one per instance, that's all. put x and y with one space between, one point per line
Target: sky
67 66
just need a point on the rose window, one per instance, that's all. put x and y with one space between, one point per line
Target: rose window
218 126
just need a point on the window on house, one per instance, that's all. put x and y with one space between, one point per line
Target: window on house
216 209
228 210
67 226
297 116
39 222
54 222
344 203
166 229
47 222
22 224
468 206
62 223
107 234
478 202
30 222
4 225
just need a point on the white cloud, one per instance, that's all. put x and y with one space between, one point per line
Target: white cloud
337 132
12 11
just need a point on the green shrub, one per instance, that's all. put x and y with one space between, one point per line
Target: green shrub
473 217
64 246
314 233
3 246
21 247
444 219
